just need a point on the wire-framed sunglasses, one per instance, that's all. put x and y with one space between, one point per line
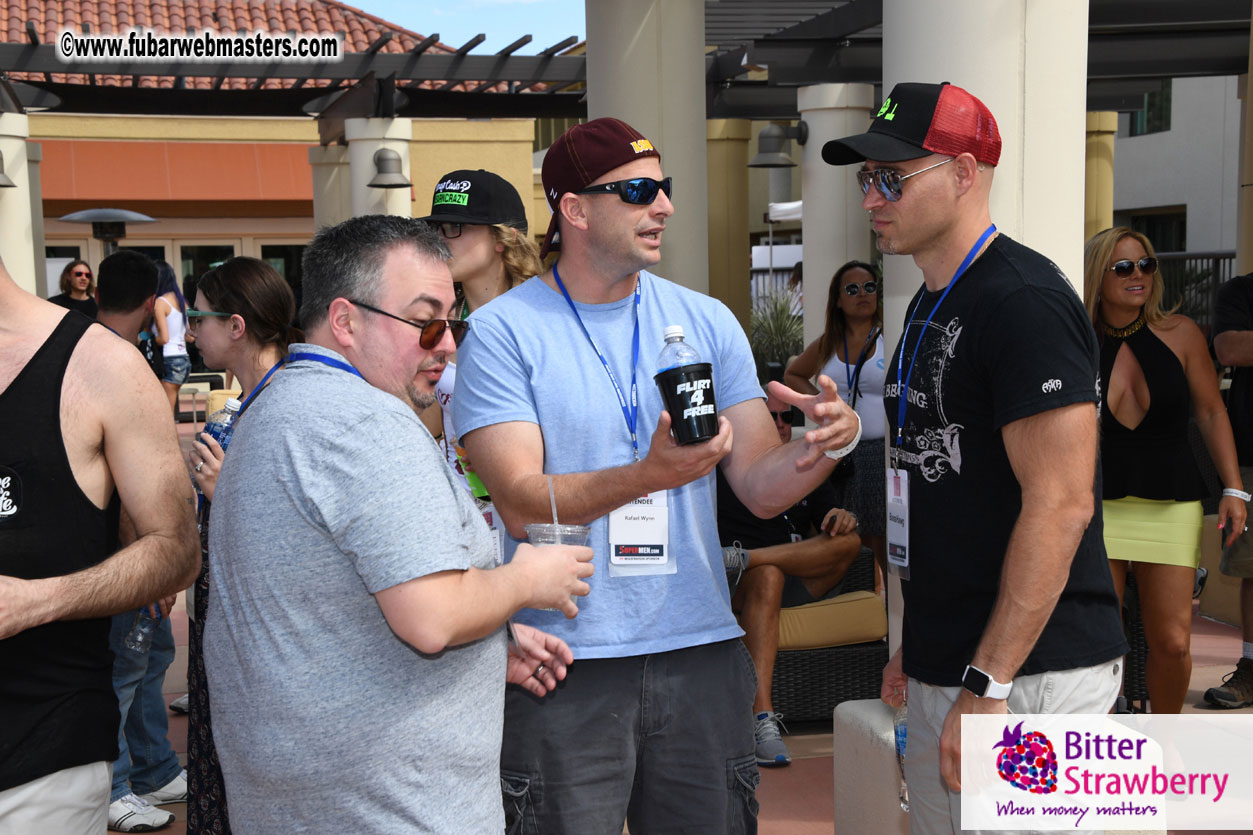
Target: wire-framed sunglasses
855 289
432 330
1126 267
888 180
638 191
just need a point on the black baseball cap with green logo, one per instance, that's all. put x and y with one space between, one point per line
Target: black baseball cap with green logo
476 197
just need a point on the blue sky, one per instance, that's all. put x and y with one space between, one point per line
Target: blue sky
503 21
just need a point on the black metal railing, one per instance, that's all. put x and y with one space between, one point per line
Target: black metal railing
1191 280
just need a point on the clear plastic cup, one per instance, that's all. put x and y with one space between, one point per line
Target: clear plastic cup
548 533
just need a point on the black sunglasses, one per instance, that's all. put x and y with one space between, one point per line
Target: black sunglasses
446 228
855 289
791 416
639 191
1125 267
80 274
432 329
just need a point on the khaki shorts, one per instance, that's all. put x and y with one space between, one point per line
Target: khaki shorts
933 808
1237 560
71 800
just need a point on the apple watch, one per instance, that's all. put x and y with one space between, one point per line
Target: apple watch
983 685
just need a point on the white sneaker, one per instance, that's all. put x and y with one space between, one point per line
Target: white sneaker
174 791
133 814
182 704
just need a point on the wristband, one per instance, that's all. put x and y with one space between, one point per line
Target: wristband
1237 494
837 454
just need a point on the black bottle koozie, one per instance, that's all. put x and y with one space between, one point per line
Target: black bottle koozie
687 391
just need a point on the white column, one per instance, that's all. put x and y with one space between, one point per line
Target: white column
365 136
332 192
34 157
1027 61
835 229
16 227
646 66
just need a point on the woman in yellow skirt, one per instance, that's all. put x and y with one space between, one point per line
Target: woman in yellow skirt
1156 371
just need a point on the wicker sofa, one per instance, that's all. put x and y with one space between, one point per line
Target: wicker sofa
833 650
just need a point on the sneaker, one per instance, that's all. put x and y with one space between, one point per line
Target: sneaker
182 704
735 559
174 791
1237 688
133 814
771 752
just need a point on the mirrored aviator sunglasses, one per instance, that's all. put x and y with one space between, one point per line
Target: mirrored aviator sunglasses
639 191
1126 267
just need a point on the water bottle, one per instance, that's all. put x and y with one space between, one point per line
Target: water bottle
687 389
899 719
139 639
221 424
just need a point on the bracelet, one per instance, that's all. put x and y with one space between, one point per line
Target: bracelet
837 454
1237 494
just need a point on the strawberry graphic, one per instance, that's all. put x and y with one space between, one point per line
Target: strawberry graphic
1027 761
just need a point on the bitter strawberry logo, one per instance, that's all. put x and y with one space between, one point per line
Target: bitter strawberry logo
1027 761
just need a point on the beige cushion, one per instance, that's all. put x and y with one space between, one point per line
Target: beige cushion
851 618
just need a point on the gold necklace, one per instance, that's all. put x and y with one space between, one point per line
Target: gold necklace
1123 333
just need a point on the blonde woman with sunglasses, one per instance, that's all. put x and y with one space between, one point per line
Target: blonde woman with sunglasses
1156 373
480 216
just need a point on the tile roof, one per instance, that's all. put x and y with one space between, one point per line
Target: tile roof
177 17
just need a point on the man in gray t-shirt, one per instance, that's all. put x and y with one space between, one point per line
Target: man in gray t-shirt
354 642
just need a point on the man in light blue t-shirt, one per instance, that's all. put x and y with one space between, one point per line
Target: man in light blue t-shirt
653 724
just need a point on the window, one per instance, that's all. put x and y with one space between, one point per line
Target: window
1155 117
1167 229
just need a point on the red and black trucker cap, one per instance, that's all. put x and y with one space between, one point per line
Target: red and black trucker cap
478 197
583 154
921 119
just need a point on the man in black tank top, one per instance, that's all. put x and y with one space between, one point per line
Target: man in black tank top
1009 603
83 429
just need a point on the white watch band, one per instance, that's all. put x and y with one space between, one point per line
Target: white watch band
1239 494
994 689
837 454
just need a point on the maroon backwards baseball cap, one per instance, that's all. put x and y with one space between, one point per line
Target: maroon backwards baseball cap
583 154
921 119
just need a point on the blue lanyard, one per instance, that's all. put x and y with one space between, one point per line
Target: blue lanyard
902 390
275 367
331 361
631 413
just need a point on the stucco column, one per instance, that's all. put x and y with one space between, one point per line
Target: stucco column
332 197
1027 61
646 66
1244 200
34 156
729 257
16 226
1098 181
365 136
835 229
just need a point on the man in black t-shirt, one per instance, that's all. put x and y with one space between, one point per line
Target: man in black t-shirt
1233 343
792 559
1009 603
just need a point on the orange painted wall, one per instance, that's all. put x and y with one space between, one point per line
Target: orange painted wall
111 171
